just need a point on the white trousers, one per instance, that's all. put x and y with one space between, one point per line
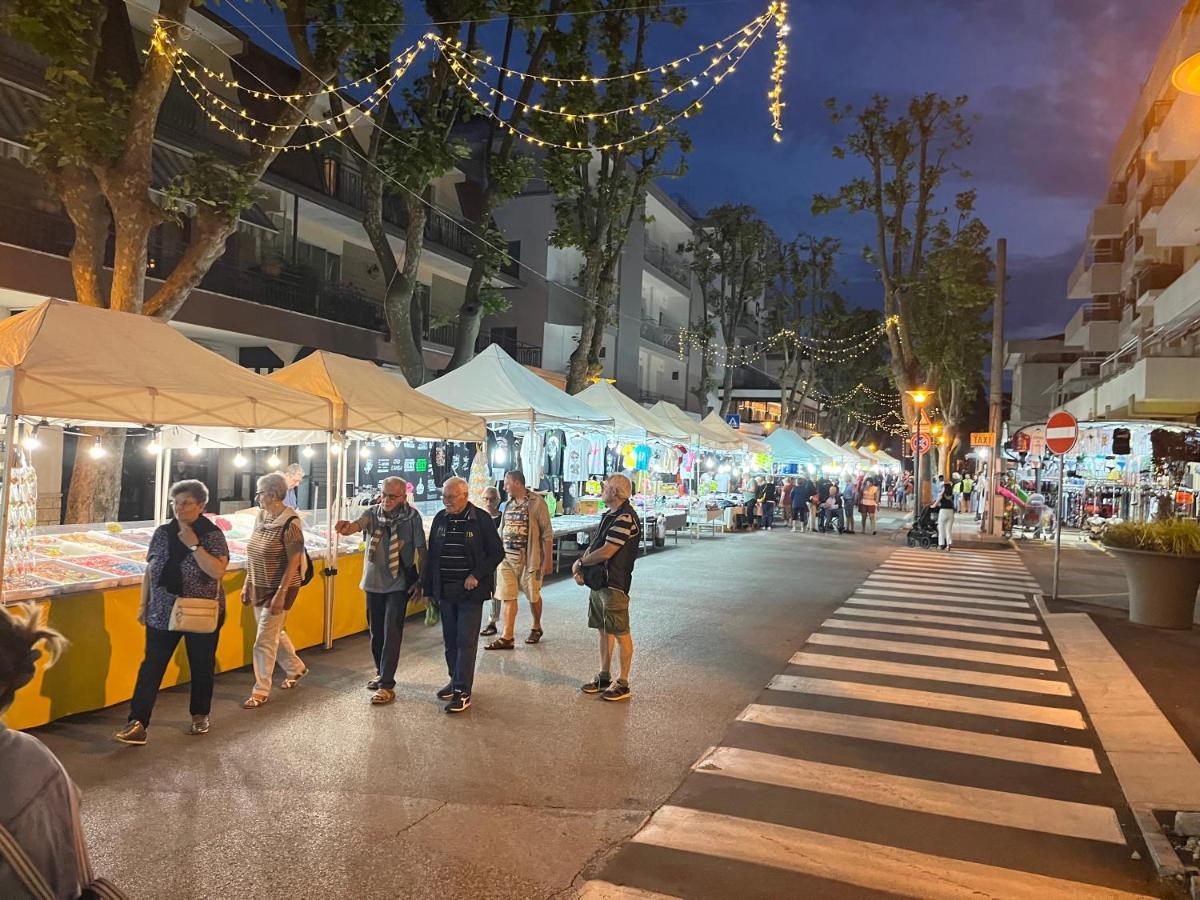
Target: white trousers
272 642
945 526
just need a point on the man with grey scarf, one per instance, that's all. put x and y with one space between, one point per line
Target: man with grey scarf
391 577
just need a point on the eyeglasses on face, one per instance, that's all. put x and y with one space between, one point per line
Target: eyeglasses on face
387 496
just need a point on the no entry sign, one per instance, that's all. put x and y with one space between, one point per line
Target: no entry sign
1062 431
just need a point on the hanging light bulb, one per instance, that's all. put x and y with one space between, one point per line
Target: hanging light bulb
365 452
195 450
273 460
97 451
240 460
307 452
30 441
335 447
154 446
389 446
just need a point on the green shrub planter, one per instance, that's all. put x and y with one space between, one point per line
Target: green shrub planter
1162 586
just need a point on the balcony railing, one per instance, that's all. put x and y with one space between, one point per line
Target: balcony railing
525 354
446 335
668 262
1116 193
662 335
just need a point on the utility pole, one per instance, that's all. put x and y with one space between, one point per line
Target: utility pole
995 509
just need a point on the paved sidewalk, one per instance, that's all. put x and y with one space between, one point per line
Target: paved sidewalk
926 741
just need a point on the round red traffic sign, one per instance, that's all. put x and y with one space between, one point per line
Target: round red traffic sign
1062 431
920 443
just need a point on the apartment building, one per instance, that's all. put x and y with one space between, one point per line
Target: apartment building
1138 332
1042 368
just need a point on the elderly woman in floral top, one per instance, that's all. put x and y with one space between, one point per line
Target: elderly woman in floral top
187 558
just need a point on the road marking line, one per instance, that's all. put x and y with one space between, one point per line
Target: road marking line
890 591
954 564
943 620
874 867
932 673
950 634
997 581
928 737
860 600
933 559
877 693
918 648
982 589
936 798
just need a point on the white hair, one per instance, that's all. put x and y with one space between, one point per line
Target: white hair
622 485
274 484
457 482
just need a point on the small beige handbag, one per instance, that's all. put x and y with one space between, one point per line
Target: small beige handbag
195 614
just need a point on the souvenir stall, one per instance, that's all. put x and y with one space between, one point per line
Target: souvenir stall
656 450
67 365
792 455
534 424
698 470
839 460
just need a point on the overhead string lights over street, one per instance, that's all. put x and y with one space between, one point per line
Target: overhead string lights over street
206 85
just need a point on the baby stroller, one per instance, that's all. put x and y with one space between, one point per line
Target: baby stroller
924 534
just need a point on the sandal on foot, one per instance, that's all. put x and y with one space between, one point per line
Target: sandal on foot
290 682
254 702
500 643
382 696
489 631
535 635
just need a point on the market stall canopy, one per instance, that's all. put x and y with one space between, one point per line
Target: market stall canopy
716 426
887 459
83 364
630 417
832 450
498 388
369 400
671 414
862 454
789 447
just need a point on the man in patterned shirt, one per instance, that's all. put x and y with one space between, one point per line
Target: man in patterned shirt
615 548
528 557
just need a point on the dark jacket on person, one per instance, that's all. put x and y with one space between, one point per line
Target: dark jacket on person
770 492
484 550
802 491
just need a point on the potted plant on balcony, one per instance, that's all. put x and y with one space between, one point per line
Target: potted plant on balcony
1162 566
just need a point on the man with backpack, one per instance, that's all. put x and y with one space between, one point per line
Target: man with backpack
391 577
607 569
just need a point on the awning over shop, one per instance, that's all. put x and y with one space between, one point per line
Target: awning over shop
83 364
789 447
368 400
498 388
630 417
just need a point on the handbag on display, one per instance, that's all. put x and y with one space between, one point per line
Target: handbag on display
195 614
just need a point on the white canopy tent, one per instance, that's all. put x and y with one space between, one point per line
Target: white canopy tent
630 418
672 415
835 453
720 430
863 455
789 447
499 389
887 460
81 365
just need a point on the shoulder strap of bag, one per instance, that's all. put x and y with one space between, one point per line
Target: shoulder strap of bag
26 872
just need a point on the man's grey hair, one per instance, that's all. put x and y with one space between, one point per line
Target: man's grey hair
395 479
294 469
455 483
622 485
197 490
273 485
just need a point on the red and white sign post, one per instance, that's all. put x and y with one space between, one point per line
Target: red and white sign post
1062 432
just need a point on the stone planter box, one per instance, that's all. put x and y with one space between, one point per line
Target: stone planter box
1162 587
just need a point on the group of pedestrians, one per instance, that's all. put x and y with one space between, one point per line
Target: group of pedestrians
823 505
473 555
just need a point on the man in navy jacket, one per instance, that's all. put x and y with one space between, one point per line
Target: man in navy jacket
464 551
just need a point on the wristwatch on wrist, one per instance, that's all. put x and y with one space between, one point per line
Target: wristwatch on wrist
193 547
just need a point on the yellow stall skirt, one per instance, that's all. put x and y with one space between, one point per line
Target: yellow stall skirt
100 666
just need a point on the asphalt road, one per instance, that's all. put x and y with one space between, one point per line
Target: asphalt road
320 794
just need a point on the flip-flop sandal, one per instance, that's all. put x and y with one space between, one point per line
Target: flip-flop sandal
290 682
383 696
500 644
254 702
535 635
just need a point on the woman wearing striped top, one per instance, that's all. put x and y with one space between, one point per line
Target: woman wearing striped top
274 559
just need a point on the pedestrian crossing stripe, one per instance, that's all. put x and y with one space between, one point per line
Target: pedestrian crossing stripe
941 620
927 737
1000 581
890 591
938 798
861 599
950 634
954 703
1027 683
983 589
920 648
874 867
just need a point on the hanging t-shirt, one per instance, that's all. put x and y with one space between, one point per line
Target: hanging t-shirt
439 462
576 465
687 464
641 457
597 449
553 447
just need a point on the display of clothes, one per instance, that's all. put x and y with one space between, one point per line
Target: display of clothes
687 463
439 462
577 461
554 443
641 458
598 447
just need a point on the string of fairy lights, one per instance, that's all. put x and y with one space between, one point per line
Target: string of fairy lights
212 89
846 348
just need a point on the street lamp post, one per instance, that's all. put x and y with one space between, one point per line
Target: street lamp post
919 398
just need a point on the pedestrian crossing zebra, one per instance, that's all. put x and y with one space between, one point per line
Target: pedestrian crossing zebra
925 742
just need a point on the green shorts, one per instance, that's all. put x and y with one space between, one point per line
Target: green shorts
608 611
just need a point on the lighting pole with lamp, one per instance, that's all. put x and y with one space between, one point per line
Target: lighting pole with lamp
919 397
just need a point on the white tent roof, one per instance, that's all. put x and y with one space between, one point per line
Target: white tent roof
789 447
631 418
886 458
498 388
720 430
863 454
832 450
675 417
368 400
84 364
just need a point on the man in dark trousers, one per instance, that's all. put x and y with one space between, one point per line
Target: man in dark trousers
464 551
